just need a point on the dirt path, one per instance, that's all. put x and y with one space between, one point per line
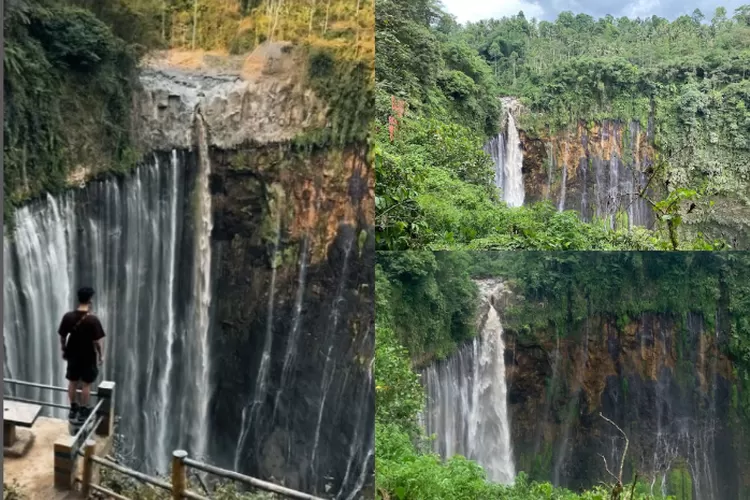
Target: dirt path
34 472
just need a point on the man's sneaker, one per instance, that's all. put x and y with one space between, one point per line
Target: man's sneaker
73 413
83 414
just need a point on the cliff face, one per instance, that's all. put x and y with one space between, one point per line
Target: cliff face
664 381
293 322
292 246
605 170
280 386
599 170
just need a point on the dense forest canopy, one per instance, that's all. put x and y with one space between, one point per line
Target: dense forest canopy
426 307
437 89
71 67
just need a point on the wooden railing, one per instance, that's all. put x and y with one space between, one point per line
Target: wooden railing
101 421
66 449
178 486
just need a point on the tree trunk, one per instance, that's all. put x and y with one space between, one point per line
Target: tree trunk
356 20
312 15
195 21
164 21
276 18
328 10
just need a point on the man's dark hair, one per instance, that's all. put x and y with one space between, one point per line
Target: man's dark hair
85 294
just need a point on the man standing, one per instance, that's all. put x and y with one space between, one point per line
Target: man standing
82 344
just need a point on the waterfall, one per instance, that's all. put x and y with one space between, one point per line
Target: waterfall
202 287
505 150
563 189
261 386
496 149
467 404
513 189
124 237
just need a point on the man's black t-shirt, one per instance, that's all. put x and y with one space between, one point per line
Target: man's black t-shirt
80 346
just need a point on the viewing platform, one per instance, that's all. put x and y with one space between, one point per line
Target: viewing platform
34 472
46 462
40 455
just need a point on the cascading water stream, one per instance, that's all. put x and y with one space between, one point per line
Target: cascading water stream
170 330
250 412
505 150
124 238
330 364
513 191
467 404
202 285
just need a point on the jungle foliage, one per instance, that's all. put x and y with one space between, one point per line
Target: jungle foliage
426 303
437 88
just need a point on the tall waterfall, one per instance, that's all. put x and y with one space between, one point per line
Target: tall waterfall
202 287
467 404
127 239
506 152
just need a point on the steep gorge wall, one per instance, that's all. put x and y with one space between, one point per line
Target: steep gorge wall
665 379
290 392
598 170
662 379
292 333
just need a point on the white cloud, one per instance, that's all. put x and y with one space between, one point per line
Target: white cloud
475 10
643 8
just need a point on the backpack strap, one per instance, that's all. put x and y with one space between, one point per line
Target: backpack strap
75 327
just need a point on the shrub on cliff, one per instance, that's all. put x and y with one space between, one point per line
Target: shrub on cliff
67 86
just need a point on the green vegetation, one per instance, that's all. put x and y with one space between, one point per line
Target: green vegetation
68 81
425 310
436 103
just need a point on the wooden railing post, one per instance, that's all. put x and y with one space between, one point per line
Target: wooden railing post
64 463
106 393
88 467
179 474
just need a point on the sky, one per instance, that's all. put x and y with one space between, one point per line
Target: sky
475 10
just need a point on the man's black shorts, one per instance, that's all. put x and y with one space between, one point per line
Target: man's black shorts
82 372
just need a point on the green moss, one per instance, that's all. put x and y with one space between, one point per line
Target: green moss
273 217
241 161
540 464
347 87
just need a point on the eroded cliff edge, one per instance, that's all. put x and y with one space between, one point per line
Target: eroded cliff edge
293 259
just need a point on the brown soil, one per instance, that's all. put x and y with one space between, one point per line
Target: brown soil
34 472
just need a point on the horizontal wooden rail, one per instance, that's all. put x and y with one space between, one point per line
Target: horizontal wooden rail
34 401
107 492
145 478
40 386
178 486
256 483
